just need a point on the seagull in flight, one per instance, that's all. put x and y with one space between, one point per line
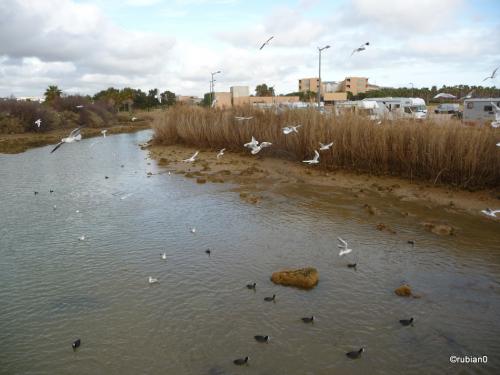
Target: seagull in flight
314 160
490 212
324 147
221 152
266 43
257 149
72 137
291 129
80 106
343 248
492 74
360 48
253 143
241 118
498 144
192 158
468 96
152 280
38 122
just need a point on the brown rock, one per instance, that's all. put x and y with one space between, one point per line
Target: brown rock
441 229
306 278
403 291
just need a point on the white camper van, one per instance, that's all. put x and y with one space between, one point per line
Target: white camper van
361 107
394 108
481 110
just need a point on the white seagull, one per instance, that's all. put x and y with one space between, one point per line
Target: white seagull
72 137
344 250
152 280
193 230
103 132
498 144
214 102
242 118
192 158
324 147
256 149
80 106
291 129
133 119
81 238
360 48
492 74
468 96
490 212
314 160
266 42
164 256
221 152
38 122
253 143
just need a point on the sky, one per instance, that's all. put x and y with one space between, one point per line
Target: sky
84 46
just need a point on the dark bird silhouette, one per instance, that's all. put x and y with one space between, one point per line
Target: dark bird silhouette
308 320
352 265
106 177
208 251
406 322
355 354
76 344
260 338
411 242
241 361
266 42
51 191
251 286
269 299
36 192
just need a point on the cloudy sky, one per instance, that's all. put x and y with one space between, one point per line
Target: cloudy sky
84 46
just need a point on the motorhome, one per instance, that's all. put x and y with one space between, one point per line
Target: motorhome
361 107
394 108
481 110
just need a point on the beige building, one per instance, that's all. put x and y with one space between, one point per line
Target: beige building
354 85
223 99
239 95
332 97
187 99
308 84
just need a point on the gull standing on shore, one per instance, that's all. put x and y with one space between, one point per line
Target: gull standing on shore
192 158
492 74
152 280
314 160
325 147
344 250
103 132
291 129
360 48
266 43
72 137
221 153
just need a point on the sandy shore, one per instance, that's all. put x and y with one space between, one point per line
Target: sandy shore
256 176
16 143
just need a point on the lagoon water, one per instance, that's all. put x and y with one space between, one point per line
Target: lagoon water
199 317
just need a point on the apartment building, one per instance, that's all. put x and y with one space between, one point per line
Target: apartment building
308 84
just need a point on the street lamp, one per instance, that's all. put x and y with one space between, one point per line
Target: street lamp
319 79
411 83
212 89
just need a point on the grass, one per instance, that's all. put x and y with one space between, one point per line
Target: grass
444 152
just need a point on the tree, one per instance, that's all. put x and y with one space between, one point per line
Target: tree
206 100
52 93
168 98
264 90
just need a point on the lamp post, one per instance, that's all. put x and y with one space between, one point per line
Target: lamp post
319 79
212 89
411 83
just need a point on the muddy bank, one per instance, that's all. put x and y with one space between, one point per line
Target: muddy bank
16 143
258 176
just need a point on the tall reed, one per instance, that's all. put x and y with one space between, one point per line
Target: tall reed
440 152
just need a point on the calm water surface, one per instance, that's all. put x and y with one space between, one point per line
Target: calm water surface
55 288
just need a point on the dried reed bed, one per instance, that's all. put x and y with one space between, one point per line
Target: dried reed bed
440 152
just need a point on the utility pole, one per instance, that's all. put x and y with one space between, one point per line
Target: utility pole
212 87
319 78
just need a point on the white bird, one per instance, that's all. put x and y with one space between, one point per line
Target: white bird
490 212
257 149
344 247
126 196
134 118
214 102
314 160
192 158
242 118
38 122
266 42
468 96
152 280
495 124
81 238
253 143
360 48
498 144
164 256
193 230
325 147
77 211
80 106
492 74
291 129
72 137
55 207
221 152
103 132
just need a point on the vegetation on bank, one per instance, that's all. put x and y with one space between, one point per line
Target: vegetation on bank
447 152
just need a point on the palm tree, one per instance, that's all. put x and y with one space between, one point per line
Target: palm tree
52 93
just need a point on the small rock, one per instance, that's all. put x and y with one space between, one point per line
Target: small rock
403 291
383 227
370 209
305 278
441 229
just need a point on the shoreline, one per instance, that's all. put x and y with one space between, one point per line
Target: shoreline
257 175
21 142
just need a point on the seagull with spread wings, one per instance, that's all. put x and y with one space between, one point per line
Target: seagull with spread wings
492 74
360 48
266 43
72 137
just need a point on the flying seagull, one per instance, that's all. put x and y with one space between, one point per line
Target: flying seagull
253 143
498 144
256 149
72 137
492 74
38 122
324 147
221 152
266 43
241 118
314 160
490 212
468 96
80 106
192 158
360 48
291 129
344 250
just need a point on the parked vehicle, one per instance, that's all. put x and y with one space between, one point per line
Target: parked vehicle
480 110
449 108
361 107
394 108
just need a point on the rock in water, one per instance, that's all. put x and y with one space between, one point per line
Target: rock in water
305 278
403 291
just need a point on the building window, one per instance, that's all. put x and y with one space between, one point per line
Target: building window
348 80
348 86
470 105
488 108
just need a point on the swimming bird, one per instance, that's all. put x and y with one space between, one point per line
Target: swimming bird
55 207
352 265
77 211
492 74
308 320
490 212
266 43
355 354
76 344
260 338
290 129
324 147
241 361
344 250
193 230
251 286
221 153
152 280
164 256
208 251
51 191
81 238
35 192
38 122
253 143
314 160
360 48
406 322
106 177
242 118
192 158
72 137
269 299
103 132
257 149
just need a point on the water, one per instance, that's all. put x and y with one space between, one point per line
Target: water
55 288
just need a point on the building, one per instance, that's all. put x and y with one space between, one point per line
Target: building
188 99
308 84
239 91
354 85
223 99
330 86
330 98
239 95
